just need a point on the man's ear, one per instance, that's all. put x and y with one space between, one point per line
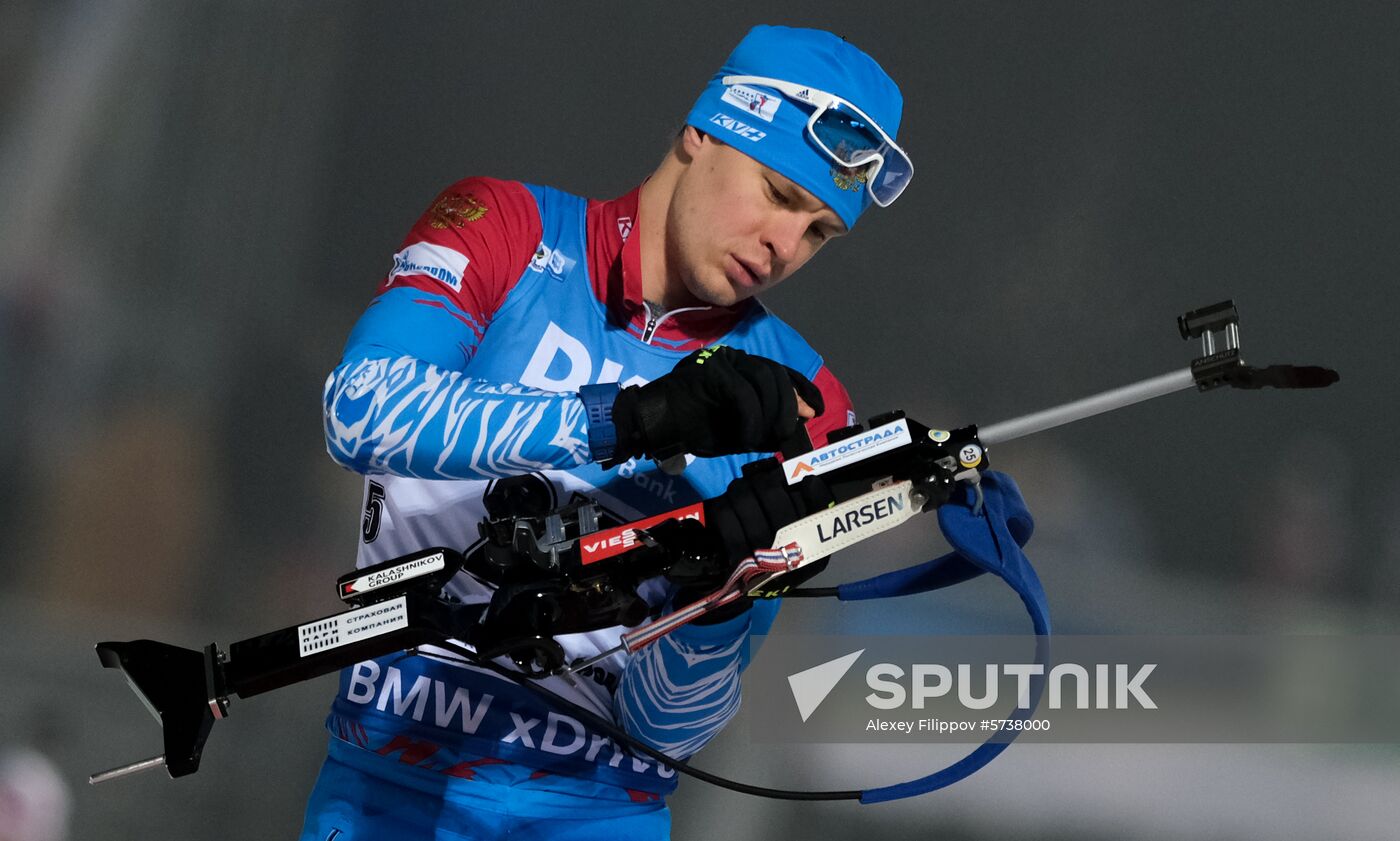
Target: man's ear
691 140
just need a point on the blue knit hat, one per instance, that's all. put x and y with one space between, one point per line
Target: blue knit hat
772 129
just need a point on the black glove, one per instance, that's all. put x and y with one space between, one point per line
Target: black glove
717 401
752 509
747 516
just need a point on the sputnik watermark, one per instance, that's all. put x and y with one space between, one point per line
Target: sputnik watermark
1112 686
890 694
944 726
1089 689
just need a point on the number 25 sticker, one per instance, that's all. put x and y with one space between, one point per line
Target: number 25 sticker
970 456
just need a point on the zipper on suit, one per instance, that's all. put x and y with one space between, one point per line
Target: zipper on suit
654 321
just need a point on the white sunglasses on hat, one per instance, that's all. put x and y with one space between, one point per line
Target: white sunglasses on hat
848 136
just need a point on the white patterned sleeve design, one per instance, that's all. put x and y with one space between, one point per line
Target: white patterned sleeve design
411 418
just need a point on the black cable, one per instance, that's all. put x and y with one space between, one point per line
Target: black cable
622 737
813 593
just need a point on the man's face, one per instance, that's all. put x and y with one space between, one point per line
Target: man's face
737 227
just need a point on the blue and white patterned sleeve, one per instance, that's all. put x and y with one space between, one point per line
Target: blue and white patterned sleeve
398 402
679 692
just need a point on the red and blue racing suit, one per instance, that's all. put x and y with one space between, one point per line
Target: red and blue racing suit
502 301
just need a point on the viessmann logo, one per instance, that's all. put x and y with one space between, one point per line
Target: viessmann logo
848 451
893 686
609 542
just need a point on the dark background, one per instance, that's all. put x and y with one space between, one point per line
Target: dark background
196 201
